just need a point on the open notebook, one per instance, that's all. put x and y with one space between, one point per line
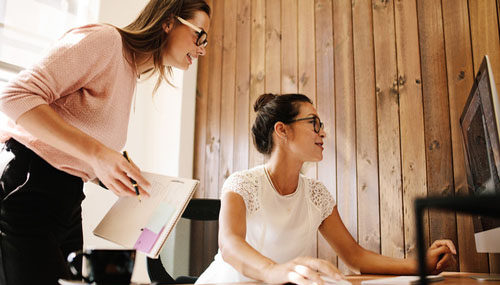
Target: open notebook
146 225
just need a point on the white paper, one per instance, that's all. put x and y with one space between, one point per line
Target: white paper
124 222
401 280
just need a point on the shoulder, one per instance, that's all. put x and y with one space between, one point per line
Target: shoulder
246 180
246 184
319 196
94 35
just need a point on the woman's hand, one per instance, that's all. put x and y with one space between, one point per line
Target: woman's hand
440 255
115 172
302 271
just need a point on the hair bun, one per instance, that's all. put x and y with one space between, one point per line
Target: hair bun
263 100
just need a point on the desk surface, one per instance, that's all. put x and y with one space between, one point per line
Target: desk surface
456 278
460 278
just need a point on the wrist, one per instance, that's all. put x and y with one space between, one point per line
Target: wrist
411 266
267 271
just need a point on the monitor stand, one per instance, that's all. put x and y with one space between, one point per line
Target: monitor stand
486 277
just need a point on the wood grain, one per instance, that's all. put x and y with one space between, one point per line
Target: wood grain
242 93
442 225
485 38
326 101
460 79
306 63
273 47
345 113
413 167
389 147
366 127
289 46
227 109
257 70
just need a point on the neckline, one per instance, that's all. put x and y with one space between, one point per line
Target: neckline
268 176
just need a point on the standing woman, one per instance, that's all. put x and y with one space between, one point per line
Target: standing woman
270 215
68 121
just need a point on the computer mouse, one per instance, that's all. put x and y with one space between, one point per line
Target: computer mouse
331 281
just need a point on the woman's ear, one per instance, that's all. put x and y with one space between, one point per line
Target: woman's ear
281 130
167 26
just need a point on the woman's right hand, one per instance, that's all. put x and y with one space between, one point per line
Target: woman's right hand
115 172
302 271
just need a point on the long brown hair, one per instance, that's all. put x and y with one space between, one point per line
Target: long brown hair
145 35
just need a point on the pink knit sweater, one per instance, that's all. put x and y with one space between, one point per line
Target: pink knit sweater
87 80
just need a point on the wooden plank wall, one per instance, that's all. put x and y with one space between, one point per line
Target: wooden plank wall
389 79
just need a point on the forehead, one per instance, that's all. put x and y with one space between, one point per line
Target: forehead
307 109
201 19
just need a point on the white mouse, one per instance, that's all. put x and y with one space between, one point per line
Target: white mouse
331 281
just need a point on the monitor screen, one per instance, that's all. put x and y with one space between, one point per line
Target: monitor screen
480 123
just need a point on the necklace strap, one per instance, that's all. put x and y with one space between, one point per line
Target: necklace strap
135 65
268 176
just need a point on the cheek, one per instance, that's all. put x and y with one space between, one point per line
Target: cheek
177 45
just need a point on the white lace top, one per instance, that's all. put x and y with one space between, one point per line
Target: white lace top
280 227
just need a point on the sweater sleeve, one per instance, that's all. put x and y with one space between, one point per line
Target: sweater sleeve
78 57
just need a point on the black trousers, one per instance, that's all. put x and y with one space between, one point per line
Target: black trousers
40 218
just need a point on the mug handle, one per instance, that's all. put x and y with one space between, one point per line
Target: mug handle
76 272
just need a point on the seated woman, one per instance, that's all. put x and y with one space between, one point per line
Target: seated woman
270 214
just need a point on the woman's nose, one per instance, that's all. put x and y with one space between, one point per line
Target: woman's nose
322 133
200 51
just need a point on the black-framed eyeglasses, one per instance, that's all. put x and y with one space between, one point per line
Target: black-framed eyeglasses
201 41
317 124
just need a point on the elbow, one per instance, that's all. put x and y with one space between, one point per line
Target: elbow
225 248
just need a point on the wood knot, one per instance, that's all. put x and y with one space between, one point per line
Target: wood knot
461 75
303 79
401 80
434 145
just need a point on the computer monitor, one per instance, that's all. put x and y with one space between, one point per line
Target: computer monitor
480 122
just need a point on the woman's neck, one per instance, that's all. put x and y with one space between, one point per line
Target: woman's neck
143 63
284 172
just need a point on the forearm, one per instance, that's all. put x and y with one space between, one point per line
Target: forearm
244 258
371 262
46 125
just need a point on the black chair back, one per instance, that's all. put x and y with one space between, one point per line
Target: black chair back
198 210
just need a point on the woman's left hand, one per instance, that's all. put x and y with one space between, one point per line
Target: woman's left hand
440 255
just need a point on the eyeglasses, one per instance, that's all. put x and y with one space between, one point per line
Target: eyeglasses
201 41
317 124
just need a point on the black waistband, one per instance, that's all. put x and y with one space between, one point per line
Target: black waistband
18 148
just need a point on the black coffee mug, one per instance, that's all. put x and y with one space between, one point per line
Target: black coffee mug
104 266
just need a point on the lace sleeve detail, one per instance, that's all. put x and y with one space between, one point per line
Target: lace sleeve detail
245 184
320 197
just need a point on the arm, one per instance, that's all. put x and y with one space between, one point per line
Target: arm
110 166
67 68
339 238
244 258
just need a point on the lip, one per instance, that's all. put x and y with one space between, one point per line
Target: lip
320 145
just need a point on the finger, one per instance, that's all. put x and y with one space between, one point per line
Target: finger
329 280
441 250
444 262
323 266
125 180
308 273
119 189
298 279
143 192
135 174
445 242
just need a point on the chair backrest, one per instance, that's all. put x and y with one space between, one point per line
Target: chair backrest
199 210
